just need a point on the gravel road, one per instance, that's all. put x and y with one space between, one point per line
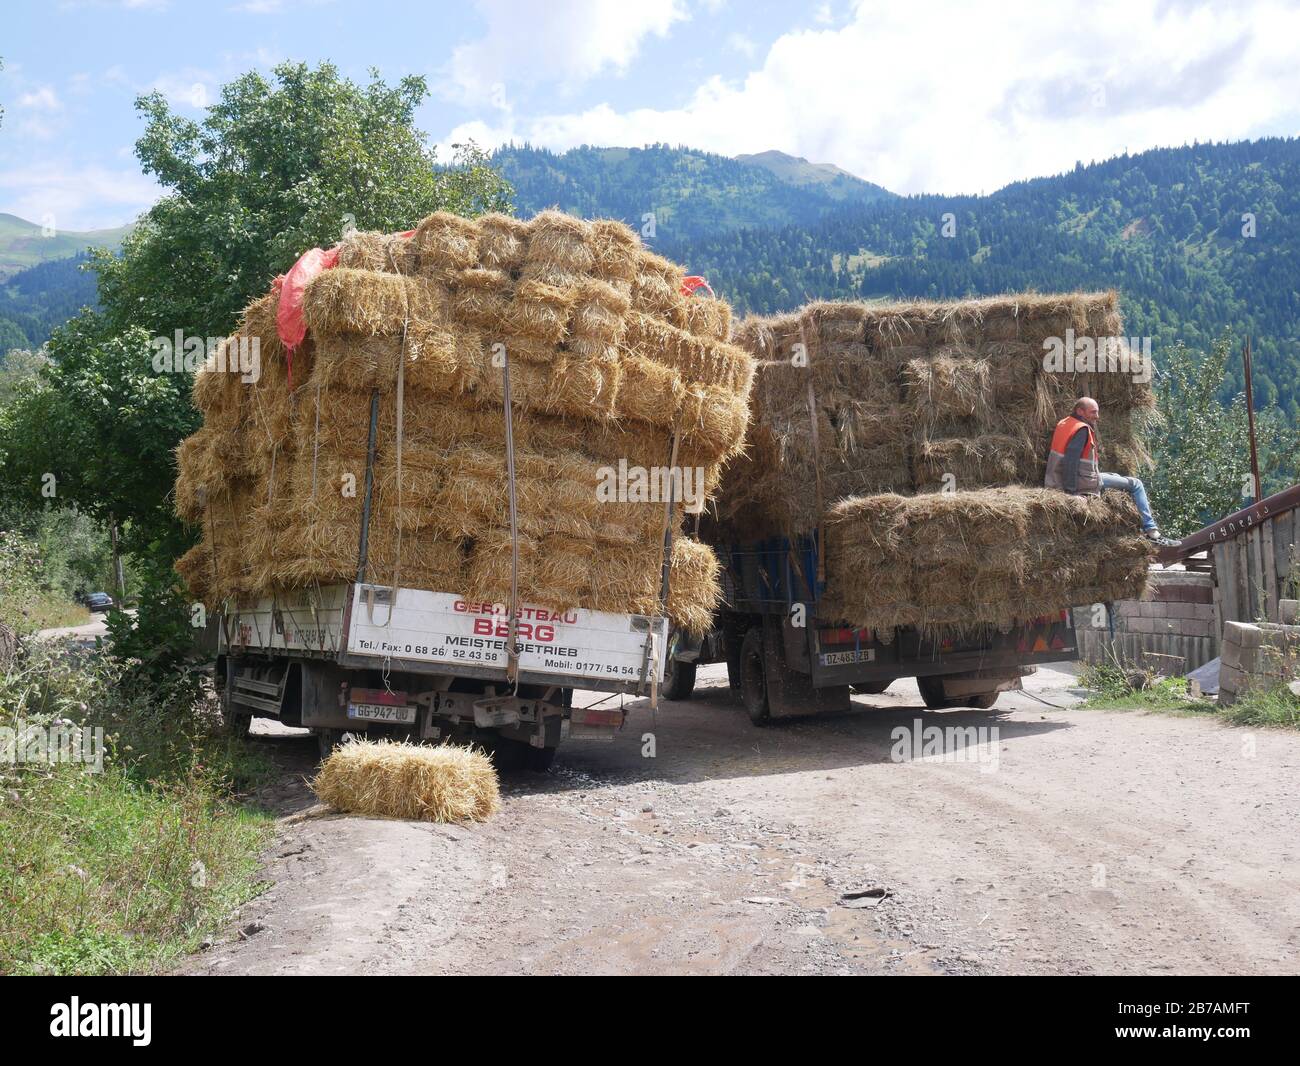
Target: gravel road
1070 841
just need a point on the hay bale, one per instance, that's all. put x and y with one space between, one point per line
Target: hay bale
707 317
444 244
387 779
370 303
387 252
503 242
615 253
981 558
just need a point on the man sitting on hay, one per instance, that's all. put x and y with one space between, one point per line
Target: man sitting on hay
1072 465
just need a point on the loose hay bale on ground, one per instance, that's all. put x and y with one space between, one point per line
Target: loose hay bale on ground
416 782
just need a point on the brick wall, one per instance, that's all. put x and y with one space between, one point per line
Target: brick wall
1177 619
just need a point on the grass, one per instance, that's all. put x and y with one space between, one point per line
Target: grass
1276 708
45 610
1113 688
100 874
126 870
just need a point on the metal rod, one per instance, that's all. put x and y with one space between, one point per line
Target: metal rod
512 628
1256 486
370 481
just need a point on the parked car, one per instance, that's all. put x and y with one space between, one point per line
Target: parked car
98 601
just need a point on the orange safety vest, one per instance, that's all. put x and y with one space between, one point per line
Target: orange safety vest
1089 478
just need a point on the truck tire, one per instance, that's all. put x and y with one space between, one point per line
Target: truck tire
870 688
935 699
326 741
753 677
538 760
679 680
508 755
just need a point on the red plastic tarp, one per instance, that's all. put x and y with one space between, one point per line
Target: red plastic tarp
290 287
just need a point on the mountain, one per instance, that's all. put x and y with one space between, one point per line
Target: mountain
23 244
691 194
1196 239
826 177
35 300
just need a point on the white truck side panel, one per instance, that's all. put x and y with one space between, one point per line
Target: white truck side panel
438 627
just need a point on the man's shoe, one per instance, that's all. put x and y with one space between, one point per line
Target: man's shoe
1154 536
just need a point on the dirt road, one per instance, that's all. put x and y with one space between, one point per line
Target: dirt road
1076 842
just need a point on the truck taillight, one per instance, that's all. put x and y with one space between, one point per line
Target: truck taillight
596 716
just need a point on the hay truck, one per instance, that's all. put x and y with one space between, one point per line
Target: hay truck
425 665
784 659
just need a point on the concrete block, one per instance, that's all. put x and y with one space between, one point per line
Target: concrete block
1243 634
1197 627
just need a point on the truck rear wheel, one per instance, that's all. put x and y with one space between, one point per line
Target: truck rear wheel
679 680
753 677
935 698
539 760
870 688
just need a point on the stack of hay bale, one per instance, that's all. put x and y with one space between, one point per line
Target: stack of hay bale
608 361
915 436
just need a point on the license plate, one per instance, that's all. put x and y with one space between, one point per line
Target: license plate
382 712
842 658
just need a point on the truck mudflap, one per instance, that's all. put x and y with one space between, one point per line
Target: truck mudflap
422 631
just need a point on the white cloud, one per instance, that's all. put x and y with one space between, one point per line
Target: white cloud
565 44
739 42
42 99
189 88
76 197
942 96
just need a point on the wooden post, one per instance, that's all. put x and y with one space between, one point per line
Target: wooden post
118 576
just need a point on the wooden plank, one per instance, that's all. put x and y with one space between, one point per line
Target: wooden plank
1231 585
1257 573
1288 528
1269 561
1223 602
1243 578
1252 570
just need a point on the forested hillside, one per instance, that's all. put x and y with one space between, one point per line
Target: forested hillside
691 194
34 301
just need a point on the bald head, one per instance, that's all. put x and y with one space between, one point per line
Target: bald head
1086 408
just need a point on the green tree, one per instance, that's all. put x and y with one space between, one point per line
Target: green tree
1202 446
277 166
96 428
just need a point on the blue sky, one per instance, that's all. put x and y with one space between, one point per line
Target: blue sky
923 95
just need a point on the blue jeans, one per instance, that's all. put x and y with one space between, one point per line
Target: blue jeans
1134 487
